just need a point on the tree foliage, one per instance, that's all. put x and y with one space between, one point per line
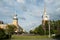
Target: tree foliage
54 28
38 30
7 33
2 33
10 29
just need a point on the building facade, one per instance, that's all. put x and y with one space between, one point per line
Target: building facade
15 22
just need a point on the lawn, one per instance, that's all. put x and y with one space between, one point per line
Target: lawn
19 37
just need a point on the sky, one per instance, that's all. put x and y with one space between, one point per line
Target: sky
29 11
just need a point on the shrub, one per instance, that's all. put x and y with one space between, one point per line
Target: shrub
3 35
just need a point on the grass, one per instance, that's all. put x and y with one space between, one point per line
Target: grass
19 37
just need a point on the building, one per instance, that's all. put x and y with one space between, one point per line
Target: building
45 19
3 26
15 22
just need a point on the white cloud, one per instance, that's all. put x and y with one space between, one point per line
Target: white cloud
58 9
49 1
57 2
21 1
34 11
54 2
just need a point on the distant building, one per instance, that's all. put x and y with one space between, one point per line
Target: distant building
15 22
3 26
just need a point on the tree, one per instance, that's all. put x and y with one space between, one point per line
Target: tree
10 30
38 30
54 28
31 31
58 26
2 33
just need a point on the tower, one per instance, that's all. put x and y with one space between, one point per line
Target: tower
45 16
45 19
15 20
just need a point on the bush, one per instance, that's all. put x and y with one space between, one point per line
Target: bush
3 35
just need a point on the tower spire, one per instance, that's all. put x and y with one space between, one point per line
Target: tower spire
45 16
44 8
45 21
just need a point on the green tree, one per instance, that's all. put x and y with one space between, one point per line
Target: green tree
31 32
38 30
2 33
58 26
54 28
10 30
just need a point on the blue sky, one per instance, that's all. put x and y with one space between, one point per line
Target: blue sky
29 11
